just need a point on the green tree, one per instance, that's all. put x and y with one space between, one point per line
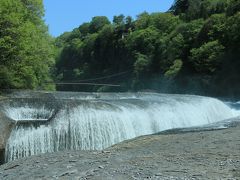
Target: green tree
179 7
119 20
143 21
232 32
207 58
164 22
142 65
84 29
193 46
27 51
143 40
98 23
142 68
174 69
233 7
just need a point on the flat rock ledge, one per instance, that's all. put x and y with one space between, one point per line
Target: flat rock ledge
190 155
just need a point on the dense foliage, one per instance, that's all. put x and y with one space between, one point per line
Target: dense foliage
192 48
26 49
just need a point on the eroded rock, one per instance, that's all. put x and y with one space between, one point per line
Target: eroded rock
6 125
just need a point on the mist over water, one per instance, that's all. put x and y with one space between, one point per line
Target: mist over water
92 121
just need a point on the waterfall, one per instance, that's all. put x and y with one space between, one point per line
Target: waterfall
28 113
97 121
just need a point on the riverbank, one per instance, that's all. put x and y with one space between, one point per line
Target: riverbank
189 155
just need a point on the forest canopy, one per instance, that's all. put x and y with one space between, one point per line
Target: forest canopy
192 48
26 48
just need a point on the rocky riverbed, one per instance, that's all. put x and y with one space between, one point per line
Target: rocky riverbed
186 155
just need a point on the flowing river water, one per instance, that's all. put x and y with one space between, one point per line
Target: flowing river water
58 121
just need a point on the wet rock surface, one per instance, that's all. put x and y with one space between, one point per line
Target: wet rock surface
6 126
189 155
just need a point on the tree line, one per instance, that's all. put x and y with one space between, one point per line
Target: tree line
27 51
192 48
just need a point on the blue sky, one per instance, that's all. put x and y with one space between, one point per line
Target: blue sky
64 15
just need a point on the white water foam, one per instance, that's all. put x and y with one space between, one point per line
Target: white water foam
98 124
28 113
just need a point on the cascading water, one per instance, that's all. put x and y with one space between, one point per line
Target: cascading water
97 121
28 113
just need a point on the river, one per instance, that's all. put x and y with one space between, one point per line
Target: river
51 122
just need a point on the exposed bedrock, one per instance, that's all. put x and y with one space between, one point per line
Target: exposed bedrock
6 126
